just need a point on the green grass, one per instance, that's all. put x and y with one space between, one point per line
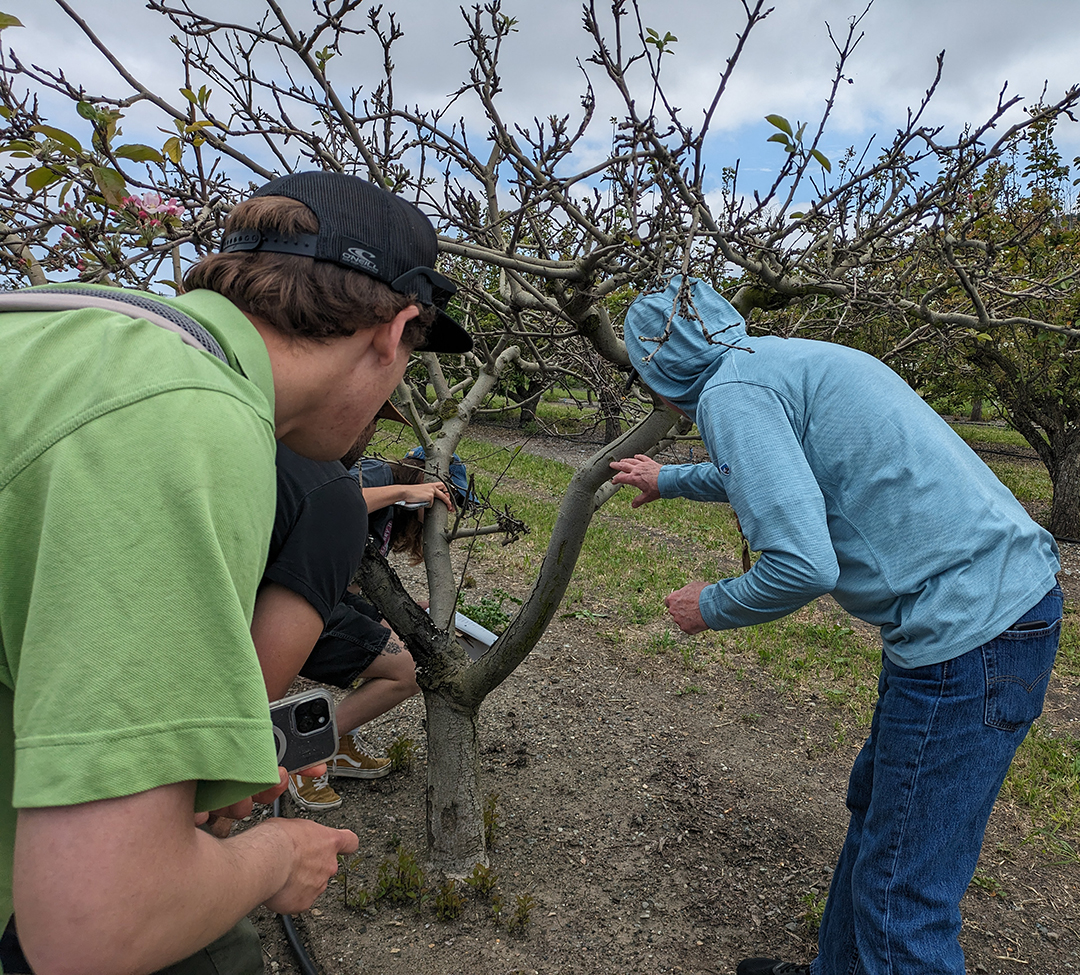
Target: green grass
978 433
1029 482
1045 777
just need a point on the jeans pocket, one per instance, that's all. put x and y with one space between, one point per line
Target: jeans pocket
1018 665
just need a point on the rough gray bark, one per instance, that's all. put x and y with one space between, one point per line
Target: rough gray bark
454 805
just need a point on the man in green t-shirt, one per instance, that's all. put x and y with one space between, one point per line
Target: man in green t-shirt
137 495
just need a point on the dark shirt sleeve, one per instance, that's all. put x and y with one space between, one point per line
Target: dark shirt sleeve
319 532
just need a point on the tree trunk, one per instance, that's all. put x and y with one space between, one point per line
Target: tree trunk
1065 511
455 818
976 408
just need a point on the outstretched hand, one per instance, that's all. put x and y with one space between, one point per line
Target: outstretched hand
639 471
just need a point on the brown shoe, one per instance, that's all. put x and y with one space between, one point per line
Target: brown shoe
351 761
315 794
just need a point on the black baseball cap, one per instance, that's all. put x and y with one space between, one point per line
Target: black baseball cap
365 228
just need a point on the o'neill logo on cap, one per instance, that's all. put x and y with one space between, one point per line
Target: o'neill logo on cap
362 259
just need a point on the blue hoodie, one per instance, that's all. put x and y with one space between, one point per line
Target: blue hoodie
844 480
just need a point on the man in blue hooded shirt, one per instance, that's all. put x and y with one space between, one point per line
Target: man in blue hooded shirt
847 483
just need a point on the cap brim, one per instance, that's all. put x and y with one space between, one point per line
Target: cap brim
390 412
446 335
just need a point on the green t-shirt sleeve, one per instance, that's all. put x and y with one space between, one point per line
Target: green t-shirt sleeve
146 534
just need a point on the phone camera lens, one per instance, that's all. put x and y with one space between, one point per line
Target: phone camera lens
311 716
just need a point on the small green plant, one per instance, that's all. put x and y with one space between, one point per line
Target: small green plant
813 902
400 880
989 885
491 818
402 754
482 882
360 899
660 643
489 612
519 921
690 689
584 614
1054 846
497 907
449 902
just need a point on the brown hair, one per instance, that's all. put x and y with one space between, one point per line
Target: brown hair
300 296
407 530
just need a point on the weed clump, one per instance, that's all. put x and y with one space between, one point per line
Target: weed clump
402 754
401 880
482 880
449 902
521 918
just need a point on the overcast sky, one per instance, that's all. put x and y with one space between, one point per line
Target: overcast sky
786 68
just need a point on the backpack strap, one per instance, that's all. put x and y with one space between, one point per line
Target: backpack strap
131 303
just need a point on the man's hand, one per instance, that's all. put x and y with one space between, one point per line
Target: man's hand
683 605
315 861
142 888
639 471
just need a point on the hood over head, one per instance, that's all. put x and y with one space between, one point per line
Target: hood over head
679 367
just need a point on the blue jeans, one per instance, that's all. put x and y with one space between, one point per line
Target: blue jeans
920 795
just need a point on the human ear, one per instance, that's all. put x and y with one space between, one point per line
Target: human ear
387 336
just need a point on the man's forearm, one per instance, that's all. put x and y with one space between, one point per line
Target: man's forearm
141 887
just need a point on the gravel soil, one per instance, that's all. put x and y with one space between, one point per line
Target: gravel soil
662 819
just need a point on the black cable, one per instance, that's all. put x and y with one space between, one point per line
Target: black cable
307 966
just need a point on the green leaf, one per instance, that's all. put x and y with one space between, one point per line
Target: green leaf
7 20
796 215
779 137
66 139
189 95
823 159
88 111
780 122
111 184
19 145
139 153
38 179
174 149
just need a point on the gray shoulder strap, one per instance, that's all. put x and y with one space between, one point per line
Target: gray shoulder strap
133 304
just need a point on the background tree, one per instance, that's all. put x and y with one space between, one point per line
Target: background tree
547 248
996 279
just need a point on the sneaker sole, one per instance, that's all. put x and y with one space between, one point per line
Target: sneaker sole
360 773
313 806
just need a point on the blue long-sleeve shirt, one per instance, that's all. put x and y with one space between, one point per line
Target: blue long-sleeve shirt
849 484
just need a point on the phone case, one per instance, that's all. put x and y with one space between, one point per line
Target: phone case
305 730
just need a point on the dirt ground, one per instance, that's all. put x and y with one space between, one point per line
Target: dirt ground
662 820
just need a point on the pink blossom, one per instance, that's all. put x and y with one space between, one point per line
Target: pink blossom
153 203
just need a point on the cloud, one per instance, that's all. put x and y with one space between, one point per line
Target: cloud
786 67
